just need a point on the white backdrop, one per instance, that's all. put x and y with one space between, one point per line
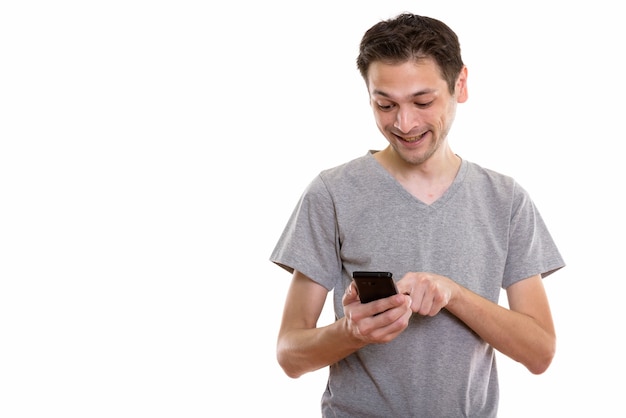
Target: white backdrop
151 152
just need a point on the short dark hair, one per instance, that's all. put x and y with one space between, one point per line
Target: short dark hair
412 37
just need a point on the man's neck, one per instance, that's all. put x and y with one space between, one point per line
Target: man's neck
427 181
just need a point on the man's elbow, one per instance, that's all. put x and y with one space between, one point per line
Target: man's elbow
285 362
541 362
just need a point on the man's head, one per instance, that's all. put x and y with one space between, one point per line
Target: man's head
410 37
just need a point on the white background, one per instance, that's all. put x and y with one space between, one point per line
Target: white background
151 152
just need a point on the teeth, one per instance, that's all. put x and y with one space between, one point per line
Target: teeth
413 139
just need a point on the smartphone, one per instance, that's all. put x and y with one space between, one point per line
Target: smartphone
373 285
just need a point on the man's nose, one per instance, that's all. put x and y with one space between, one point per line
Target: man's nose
406 119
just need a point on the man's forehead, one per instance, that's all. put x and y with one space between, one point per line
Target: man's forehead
407 79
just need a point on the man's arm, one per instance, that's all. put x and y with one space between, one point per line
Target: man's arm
303 347
525 332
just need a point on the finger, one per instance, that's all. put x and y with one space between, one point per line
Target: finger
350 295
389 324
416 299
426 306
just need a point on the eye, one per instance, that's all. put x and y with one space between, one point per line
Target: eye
424 105
384 107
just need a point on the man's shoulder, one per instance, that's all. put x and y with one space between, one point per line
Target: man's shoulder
480 173
353 167
356 161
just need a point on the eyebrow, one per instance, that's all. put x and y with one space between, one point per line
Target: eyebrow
417 94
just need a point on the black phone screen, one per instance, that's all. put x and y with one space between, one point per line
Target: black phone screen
373 285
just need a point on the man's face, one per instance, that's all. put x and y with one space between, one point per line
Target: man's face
413 107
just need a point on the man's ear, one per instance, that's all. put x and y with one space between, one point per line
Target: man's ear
461 86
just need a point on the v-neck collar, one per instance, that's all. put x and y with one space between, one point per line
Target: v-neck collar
441 201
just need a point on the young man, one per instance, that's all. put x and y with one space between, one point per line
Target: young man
452 232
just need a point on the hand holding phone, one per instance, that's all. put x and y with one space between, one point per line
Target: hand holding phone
373 285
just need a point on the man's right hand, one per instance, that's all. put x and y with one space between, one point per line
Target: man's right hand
376 322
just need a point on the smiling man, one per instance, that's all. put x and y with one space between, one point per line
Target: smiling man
452 232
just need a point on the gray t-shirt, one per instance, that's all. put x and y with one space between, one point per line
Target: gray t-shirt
484 232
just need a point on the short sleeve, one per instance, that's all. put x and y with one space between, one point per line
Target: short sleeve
532 249
309 242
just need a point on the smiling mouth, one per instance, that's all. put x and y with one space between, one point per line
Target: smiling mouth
413 139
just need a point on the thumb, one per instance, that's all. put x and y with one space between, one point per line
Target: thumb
350 295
